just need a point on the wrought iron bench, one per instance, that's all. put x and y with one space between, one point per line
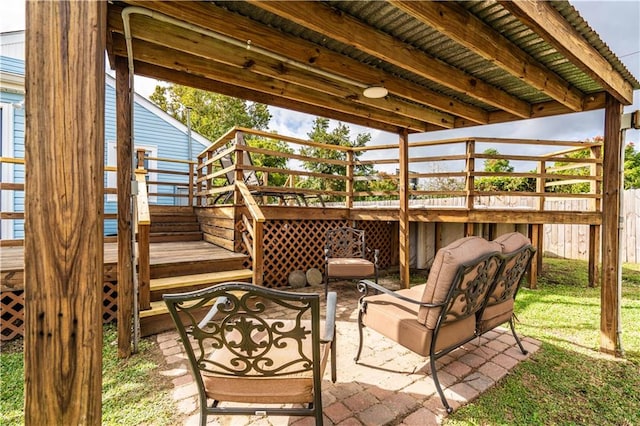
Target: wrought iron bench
470 290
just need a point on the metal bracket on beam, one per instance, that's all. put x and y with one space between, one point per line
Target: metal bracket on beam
630 120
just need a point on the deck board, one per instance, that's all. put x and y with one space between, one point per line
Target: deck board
12 258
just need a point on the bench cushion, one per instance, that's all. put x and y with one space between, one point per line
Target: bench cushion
396 319
443 272
500 302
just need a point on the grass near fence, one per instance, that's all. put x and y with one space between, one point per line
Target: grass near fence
567 382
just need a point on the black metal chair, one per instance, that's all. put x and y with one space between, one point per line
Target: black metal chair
346 256
253 345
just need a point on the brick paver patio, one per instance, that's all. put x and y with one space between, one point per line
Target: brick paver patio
389 386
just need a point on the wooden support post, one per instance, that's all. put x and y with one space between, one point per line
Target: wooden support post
536 241
349 199
540 184
125 228
470 183
594 230
594 255
258 252
611 197
403 185
64 199
191 183
239 173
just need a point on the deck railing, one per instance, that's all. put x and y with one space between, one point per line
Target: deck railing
170 182
445 173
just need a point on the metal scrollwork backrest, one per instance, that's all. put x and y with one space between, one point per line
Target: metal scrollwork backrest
345 242
471 286
508 281
256 332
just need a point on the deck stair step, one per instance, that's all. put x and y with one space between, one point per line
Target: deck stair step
180 283
160 237
174 223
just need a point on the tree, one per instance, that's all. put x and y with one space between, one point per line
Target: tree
212 114
573 188
339 136
501 183
631 167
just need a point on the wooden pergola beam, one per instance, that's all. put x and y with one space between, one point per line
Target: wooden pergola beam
546 21
64 148
186 79
325 20
459 24
185 40
179 61
242 28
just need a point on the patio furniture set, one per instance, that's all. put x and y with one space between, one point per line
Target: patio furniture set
262 351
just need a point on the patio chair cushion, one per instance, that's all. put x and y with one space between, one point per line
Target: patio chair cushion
350 267
397 320
495 315
293 387
500 302
443 272
511 242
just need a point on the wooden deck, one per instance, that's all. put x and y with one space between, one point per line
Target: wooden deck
163 255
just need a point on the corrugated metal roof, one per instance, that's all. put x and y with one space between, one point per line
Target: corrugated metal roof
469 83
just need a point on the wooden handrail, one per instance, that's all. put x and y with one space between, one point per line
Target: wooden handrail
250 202
143 225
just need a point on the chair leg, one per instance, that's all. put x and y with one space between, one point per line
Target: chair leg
434 373
513 330
334 374
360 327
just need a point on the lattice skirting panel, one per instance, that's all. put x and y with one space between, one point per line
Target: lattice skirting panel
298 245
12 310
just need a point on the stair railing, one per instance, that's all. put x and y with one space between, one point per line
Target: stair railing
142 227
254 234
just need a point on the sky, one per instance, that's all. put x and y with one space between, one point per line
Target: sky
617 23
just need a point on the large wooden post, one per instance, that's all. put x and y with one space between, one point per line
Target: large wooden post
125 231
612 179
64 150
403 185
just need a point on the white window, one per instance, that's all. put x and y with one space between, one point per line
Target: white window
112 178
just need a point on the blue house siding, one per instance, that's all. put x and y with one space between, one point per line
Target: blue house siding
17 135
153 129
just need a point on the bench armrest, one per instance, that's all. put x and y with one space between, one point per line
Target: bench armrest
364 285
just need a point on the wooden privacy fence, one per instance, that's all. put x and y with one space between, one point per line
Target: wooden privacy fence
572 241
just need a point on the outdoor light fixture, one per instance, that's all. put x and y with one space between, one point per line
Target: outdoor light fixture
375 92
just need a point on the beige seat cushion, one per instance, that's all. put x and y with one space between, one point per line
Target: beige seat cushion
348 267
295 387
499 310
495 315
511 242
397 320
444 269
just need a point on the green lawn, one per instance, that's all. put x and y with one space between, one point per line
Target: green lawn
567 382
133 393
